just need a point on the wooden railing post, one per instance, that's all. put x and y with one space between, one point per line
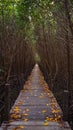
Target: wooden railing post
65 104
7 101
0 119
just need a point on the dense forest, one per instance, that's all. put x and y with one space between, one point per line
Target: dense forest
37 31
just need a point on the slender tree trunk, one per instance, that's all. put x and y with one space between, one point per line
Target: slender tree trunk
3 35
68 23
67 10
68 60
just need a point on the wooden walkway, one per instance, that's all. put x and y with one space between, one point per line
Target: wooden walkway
36 108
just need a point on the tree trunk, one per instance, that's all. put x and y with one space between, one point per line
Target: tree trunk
67 10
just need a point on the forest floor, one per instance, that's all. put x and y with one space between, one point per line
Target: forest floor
36 107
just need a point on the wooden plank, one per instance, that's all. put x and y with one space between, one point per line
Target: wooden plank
1 128
37 125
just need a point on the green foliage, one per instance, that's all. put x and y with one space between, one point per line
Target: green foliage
28 14
37 57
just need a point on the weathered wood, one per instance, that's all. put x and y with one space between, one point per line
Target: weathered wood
2 103
37 125
65 104
36 107
7 101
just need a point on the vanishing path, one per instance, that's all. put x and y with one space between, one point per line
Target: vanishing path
36 108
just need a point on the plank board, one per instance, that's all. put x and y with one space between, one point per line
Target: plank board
37 125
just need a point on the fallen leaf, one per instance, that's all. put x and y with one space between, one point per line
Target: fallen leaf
25 119
22 127
43 111
46 123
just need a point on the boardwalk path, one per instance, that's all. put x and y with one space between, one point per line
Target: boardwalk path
36 107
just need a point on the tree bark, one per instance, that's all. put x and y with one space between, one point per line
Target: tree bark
67 10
